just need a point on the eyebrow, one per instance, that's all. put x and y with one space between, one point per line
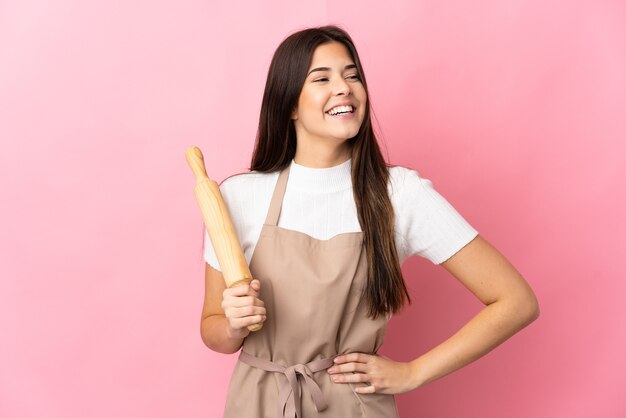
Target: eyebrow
347 67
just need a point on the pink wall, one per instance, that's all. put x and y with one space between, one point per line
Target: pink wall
515 110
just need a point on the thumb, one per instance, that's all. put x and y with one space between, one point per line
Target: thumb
255 284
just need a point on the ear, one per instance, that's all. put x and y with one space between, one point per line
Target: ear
294 114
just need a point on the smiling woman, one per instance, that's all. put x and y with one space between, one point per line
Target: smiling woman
325 224
331 106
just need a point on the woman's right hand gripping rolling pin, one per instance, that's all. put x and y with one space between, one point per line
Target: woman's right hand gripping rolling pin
242 308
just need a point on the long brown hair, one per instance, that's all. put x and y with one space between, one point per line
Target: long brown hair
275 147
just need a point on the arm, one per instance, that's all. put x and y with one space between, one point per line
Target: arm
226 313
510 306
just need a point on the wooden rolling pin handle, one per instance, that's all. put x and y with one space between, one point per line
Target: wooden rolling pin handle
195 159
255 327
241 282
196 162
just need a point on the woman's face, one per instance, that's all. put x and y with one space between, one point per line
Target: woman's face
331 106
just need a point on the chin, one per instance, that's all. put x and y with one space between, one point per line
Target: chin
344 137
348 133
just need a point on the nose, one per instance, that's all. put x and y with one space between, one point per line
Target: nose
342 87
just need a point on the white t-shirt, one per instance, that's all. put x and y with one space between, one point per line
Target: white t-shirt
319 202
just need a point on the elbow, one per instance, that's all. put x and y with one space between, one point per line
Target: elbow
218 346
207 340
205 336
520 308
214 339
527 307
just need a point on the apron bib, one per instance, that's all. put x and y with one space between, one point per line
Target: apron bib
312 293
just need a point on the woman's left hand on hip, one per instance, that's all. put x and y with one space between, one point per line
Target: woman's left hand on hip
381 374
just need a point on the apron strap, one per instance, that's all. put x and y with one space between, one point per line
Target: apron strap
277 198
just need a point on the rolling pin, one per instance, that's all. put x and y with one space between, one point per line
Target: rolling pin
219 225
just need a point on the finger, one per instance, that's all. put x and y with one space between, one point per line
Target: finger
350 378
357 357
250 289
239 323
248 311
348 367
365 389
240 301
241 290
237 313
255 284
254 287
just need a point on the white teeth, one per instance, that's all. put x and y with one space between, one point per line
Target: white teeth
340 109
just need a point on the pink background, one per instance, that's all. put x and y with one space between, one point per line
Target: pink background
514 109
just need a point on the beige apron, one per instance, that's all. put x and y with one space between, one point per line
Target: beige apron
312 293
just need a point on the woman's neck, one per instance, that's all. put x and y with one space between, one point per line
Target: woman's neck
321 157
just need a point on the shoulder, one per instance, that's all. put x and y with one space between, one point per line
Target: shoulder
403 180
242 179
249 181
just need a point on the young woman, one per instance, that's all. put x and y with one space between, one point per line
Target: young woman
325 224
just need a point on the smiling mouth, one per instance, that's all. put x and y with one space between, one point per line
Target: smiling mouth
340 110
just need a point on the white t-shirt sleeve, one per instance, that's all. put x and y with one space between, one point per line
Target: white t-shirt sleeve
426 223
209 253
